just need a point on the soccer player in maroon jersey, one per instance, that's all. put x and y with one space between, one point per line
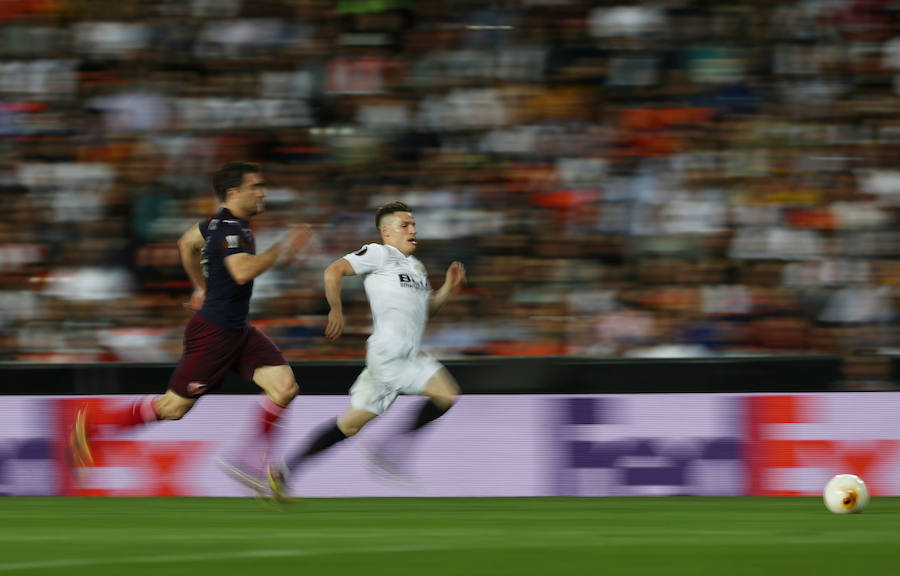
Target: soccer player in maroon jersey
219 256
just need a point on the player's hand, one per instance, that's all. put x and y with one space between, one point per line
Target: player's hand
297 237
196 301
456 275
335 325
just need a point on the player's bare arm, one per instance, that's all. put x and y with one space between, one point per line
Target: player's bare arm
334 275
189 246
245 267
454 278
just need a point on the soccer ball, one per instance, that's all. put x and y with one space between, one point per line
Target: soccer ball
846 494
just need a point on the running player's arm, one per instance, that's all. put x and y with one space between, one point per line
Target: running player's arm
334 276
189 246
456 276
244 266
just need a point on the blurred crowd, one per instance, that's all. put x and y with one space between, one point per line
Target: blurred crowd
632 178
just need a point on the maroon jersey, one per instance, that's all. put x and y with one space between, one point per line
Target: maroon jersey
227 303
218 338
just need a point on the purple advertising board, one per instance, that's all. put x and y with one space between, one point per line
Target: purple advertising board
487 445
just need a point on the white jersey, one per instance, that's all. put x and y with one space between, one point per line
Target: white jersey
398 289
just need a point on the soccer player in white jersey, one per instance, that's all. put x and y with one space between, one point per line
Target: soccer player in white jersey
401 300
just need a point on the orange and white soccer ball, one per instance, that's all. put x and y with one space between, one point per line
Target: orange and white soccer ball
846 494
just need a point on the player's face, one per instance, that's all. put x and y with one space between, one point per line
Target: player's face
399 231
251 195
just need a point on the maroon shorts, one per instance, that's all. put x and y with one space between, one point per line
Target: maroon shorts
210 352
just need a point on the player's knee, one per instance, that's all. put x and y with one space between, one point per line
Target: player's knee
284 392
446 395
445 401
349 429
443 390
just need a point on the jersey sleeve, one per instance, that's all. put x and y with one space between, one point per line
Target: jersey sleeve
230 238
204 227
367 259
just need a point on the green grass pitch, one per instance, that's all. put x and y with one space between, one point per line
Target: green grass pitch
430 537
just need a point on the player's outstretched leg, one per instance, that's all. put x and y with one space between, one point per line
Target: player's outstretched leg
391 455
280 388
328 434
139 412
277 474
247 461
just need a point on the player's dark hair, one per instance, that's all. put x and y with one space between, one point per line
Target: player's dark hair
231 175
387 210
